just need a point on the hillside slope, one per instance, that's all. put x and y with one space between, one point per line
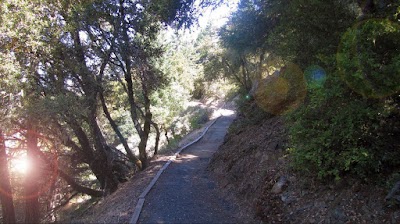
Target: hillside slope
253 167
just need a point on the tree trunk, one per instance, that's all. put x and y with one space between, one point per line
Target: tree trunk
85 150
126 57
166 133
148 116
260 68
114 126
31 186
245 74
77 187
157 137
103 160
144 137
6 196
85 147
135 117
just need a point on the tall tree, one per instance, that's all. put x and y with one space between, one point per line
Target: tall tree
6 195
66 57
246 52
31 184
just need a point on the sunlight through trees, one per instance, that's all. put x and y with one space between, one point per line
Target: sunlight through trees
79 81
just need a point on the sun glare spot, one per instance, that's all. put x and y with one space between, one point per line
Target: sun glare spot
20 165
225 112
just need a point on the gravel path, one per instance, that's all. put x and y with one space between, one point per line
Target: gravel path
185 192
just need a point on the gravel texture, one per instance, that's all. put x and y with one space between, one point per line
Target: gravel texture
186 192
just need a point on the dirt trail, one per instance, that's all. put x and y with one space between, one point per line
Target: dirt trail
185 192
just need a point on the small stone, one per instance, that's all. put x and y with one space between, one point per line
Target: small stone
278 186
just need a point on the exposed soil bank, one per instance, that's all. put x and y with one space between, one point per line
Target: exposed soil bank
253 167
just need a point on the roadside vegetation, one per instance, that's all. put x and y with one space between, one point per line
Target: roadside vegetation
91 90
330 68
329 72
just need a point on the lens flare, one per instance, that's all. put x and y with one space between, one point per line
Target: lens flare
315 75
48 176
20 165
283 91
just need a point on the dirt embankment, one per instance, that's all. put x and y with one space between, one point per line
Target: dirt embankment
253 167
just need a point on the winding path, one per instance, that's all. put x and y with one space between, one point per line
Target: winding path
185 192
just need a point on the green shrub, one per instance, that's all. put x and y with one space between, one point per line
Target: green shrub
199 89
369 58
349 124
199 118
338 132
248 112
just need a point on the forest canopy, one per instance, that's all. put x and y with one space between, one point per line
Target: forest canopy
86 90
88 87
332 68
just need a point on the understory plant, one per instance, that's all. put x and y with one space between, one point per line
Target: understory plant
337 132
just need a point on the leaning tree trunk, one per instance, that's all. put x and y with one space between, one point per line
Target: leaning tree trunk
31 185
95 159
114 126
106 112
6 197
135 116
103 160
126 57
85 150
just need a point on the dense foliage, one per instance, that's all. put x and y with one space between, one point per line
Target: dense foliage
86 84
349 123
348 52
86 87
